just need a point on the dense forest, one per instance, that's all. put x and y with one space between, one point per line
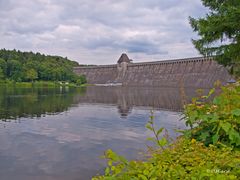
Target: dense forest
28 66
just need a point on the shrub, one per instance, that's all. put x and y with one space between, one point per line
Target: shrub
158 139
216 121
213 123
185 159
79 79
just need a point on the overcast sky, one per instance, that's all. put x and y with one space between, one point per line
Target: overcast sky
98 31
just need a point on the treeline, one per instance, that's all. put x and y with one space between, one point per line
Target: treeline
28 66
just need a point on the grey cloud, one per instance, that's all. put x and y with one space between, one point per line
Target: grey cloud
142 44
143 47
90 30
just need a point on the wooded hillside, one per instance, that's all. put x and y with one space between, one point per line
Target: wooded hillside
28 66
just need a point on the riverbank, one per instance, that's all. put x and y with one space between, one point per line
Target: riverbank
48 84
210 149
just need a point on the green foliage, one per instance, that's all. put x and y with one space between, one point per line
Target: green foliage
31 74
14 70
216 121
219 32
80 80
35 84
158 139
213 121
2 77
25 66
185 159
3 65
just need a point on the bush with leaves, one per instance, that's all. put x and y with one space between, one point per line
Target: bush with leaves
80 80
216 121
183 159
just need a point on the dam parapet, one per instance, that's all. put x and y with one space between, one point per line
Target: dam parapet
197 72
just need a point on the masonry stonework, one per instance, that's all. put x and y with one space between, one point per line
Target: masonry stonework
191 72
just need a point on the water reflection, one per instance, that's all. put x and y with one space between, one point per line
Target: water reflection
125 98
72 128
24 102
35 102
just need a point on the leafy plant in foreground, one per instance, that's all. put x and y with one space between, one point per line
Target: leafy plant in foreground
216 121
158 140
185 159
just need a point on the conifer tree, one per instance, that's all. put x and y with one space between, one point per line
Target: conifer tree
219 32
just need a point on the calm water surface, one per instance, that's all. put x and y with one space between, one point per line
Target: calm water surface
60 134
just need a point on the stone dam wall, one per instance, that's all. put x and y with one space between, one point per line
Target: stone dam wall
191 72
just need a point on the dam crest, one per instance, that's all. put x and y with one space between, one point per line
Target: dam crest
197 72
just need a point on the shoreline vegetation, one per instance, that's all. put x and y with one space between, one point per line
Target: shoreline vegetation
40 84
24 68
209 150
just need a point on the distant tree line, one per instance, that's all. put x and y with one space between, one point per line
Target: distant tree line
28 66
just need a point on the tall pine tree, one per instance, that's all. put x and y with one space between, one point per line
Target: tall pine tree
219 32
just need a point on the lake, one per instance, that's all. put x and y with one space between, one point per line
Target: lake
60 133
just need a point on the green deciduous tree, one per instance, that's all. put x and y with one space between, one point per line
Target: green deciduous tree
81 80
3 64
31 74
2 76
219 32
14 70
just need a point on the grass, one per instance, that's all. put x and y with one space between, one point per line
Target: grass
49 84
